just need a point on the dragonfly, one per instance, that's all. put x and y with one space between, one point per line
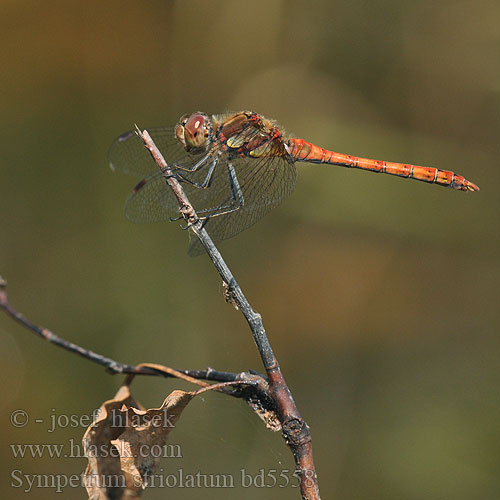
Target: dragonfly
234 168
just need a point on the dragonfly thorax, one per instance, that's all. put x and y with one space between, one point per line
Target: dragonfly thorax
194 132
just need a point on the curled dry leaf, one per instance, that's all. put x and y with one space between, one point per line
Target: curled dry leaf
148 433
104 478
118 444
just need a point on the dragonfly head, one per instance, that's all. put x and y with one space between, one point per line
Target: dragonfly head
194 132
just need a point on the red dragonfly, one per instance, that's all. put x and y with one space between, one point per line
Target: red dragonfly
235 168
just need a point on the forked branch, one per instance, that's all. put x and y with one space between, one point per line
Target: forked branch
270 397
295 430
248 385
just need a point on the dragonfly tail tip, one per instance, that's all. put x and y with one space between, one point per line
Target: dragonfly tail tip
472 187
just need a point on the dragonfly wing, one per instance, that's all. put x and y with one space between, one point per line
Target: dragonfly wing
129 155
151 201
264 184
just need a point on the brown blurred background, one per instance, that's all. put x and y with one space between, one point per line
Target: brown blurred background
380 295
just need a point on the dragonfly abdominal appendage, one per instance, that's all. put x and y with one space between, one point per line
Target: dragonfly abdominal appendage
235 165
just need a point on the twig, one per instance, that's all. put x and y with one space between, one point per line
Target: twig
256 385
294 428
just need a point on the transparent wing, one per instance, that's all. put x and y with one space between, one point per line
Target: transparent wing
129 156
151 201
264 183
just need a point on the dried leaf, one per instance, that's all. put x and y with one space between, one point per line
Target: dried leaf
141 443
104 478
122 444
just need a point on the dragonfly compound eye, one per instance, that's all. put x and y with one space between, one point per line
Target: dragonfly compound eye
196 131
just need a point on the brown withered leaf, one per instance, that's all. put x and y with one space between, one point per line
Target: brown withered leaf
122 444
104 478
148 431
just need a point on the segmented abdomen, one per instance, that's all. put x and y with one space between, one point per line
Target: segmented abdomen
302 150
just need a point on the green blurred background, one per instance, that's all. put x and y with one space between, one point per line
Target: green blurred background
379 295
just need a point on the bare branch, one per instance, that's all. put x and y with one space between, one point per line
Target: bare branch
254 386
294 428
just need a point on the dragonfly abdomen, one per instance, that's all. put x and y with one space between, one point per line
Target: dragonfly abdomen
302 150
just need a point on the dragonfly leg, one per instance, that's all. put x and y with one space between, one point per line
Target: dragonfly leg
237 201
208 179
189 224
196 166
206 183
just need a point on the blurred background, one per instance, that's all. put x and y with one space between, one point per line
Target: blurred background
380 295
